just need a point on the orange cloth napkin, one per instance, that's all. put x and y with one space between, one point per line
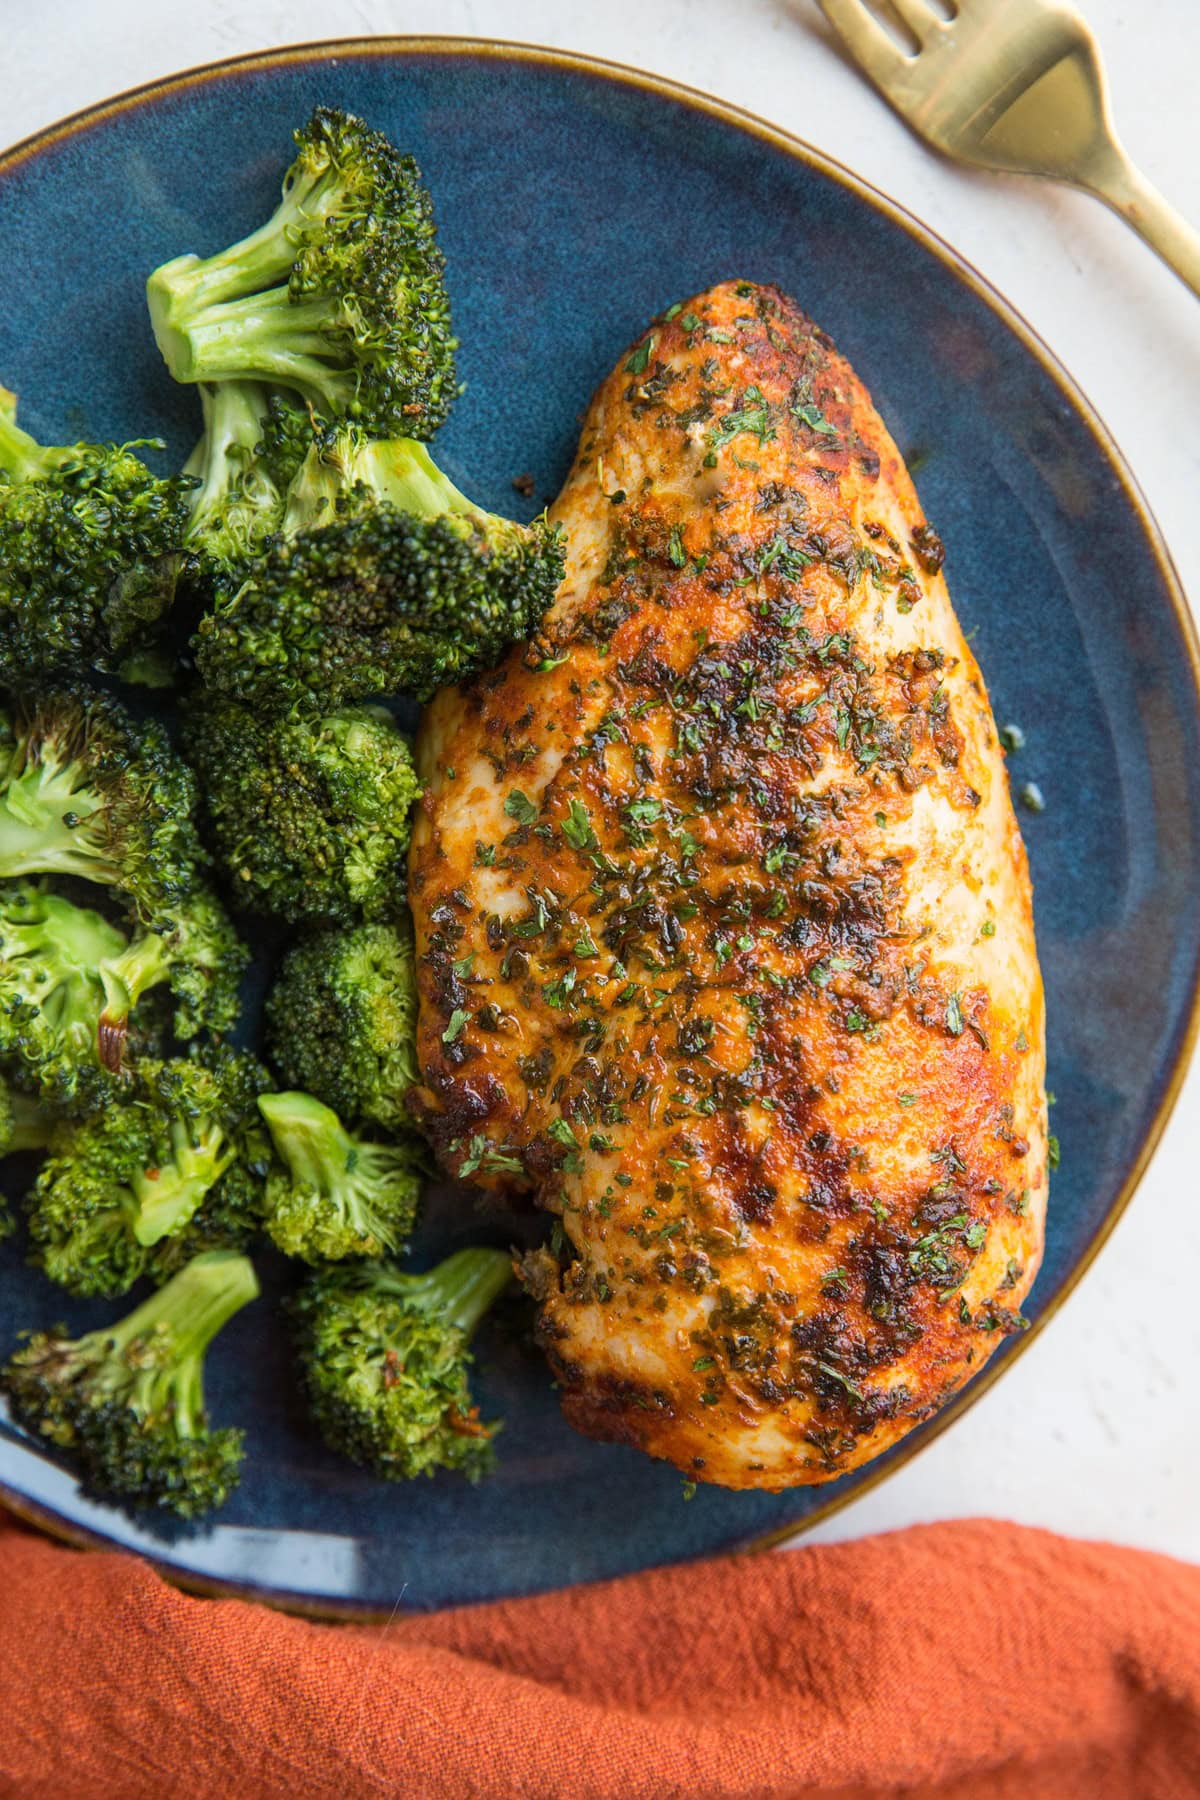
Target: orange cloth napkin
972 1660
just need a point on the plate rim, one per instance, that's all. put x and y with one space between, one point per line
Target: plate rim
396 45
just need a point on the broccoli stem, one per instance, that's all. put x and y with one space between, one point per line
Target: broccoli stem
343 1195
402 471
189 1311
460 1289
261 335
145 964
63 935
184 288
319 1151
70 1009
398 470
168 1197
53 957
233 424
311 1139
41 814
21 456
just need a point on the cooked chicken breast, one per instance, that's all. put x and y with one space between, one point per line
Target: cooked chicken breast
724 926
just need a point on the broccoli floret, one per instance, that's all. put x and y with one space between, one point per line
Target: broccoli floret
122 1183
337 1195
52 995
89 553
342 1021
384 579
86 790
70 980
384 1361
308 814
238 503
340 296
196 952
125 1405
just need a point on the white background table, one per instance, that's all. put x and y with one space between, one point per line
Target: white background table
1094 1430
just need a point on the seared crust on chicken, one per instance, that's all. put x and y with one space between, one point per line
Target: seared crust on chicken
724 929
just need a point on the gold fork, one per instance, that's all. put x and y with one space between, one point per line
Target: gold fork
1016 85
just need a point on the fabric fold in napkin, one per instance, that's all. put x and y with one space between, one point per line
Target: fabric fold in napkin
973 1659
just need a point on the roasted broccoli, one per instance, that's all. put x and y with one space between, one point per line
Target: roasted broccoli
342 1021
238 502
337 1194
52 994
340 296
196 952
384 1360
384 579
89 553
86 790
176 1164
70 980
125 1405
308 814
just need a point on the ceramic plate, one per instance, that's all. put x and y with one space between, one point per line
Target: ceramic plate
575 201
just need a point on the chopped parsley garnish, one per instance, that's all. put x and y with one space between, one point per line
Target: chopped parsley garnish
753 416
558 993
811 415
636 364
458 1018
535 923
520 807
489 1159
577 827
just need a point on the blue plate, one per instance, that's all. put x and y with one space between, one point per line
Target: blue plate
576 200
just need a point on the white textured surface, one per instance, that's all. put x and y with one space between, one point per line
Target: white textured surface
1093 1432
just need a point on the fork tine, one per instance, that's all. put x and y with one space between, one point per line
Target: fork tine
919 17
872 47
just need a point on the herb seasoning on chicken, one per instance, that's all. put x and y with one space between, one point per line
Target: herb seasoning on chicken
724 930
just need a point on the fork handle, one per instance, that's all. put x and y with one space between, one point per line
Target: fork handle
1121 186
